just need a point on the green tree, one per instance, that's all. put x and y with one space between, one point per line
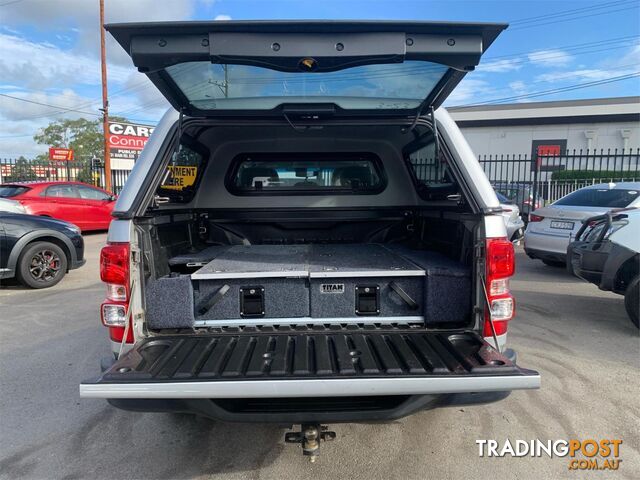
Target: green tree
21 171
84 137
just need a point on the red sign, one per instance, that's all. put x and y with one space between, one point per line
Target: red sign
60 154
548 150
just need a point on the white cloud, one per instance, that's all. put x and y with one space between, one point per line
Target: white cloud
63 66
43 65
612 67
471 91
138 99
81 17
578 75
13 110
223 17
518 87
20 120
550 58
501 66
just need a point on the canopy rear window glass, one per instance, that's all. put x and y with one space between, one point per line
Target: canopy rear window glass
596 197
180 180
210 86
306 173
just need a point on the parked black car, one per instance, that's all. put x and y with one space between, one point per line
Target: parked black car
38 251
606 253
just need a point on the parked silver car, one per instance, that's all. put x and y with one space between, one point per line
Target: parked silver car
551 228
512 219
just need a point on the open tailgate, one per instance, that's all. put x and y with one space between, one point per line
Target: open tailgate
290 362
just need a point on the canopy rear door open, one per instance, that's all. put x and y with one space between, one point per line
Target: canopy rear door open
215 68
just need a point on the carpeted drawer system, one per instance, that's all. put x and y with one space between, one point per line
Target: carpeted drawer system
311 284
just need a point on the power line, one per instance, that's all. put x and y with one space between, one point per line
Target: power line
17 136
57 107
569 12
575 46
580 46
541 93
389 71
527 20
575 18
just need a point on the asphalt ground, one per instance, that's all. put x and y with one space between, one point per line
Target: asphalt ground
578 337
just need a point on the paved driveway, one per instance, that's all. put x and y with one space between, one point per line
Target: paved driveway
578 337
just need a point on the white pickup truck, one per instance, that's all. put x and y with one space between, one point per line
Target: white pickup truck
307 238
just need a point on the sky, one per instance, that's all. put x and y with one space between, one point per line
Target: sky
553 50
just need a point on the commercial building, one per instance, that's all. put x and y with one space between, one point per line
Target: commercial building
556 127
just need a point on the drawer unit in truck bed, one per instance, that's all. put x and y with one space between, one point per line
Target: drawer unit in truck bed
285 284
365 281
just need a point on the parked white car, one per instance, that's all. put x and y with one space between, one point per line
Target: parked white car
551 228
512 219
11 206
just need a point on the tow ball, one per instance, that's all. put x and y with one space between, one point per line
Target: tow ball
310 436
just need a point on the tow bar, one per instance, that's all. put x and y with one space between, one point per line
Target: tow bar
310 436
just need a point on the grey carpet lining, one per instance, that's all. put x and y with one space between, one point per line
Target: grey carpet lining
305 260
169 302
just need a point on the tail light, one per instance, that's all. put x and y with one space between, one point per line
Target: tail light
535 218
114 271
500 263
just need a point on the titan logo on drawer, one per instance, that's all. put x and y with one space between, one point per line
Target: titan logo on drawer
332 288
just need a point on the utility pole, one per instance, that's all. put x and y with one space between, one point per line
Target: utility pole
105 103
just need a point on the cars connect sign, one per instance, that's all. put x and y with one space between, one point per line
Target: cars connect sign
126 141
60 154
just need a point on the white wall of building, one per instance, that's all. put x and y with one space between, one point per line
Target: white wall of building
516 140
510 129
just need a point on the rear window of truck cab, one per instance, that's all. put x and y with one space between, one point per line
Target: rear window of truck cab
306 173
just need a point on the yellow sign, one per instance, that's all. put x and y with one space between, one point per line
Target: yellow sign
180 177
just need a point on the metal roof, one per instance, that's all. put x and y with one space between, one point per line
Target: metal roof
617 109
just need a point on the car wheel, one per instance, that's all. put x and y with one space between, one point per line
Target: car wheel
41 265
555 263
632 300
